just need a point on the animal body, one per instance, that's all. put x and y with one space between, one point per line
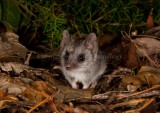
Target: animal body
82 62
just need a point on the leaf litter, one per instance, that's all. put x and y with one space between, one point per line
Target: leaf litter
133 87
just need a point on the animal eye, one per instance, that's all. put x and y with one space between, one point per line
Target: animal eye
81 58
66 56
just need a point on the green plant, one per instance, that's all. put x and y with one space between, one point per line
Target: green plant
102 16
48 16
9 13
99 16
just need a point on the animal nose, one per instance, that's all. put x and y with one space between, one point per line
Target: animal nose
68 67
79 85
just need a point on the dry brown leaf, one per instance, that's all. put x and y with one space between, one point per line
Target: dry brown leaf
143 107
149 75
11 86
147 46
44 87
154 31
131 83
149 78
150 69
4 97
66 94
150 21
106 39
32 96
10 47
38 91
131 60
13 66
146 75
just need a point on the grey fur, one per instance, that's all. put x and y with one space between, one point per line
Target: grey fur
88 71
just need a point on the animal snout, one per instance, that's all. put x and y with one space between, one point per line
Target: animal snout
79 85
70 66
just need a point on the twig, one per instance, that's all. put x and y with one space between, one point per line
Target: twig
147 103
52 105
37 105
146 36
26 62
107 95
146 94
101 96
121 69
141 108
113 75
144 51
134 101
42 102
137 93
156 64
122 95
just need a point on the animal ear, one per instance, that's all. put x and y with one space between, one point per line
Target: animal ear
65 40
91 43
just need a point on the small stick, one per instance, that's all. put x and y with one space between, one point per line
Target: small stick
126 103
52 105
42 102
37 105
106 95
26 62
137 93
147 103
141 108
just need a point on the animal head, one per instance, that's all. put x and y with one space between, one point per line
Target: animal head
78 54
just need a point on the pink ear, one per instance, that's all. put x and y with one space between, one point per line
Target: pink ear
91 43
65 40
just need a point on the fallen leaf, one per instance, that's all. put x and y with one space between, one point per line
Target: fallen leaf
10 47
147 46
131 60
44 87
105 39
10 85
150 21
131 83
5 97
146 75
